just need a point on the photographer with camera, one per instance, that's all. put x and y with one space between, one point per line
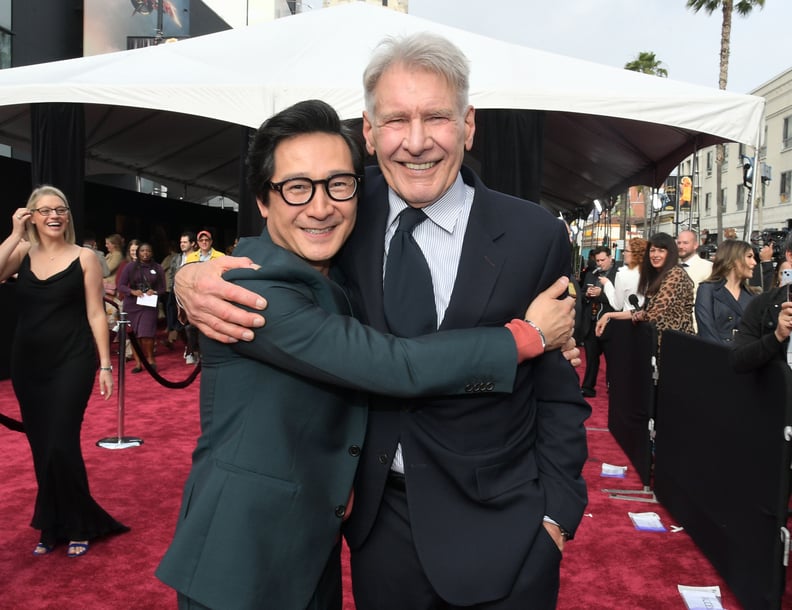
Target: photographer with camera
768 248
595 304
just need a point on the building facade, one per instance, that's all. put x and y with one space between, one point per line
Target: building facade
772 175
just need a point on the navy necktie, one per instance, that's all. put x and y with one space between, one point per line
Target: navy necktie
408 292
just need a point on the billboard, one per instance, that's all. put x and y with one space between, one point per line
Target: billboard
685 193
117 25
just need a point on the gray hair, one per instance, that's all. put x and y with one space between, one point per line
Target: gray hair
423 50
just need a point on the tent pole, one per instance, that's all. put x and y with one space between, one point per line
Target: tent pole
748 229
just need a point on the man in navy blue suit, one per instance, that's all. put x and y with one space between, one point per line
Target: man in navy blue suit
459 502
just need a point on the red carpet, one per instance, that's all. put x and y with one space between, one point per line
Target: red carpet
609 564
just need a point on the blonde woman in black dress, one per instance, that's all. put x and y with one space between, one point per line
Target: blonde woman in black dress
60 328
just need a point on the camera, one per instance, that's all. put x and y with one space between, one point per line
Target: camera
776 237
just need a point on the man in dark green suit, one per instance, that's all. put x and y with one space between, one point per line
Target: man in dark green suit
283 417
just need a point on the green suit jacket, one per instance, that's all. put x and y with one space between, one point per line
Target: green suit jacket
283 420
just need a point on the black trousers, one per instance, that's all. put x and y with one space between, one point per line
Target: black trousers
593 348
387 572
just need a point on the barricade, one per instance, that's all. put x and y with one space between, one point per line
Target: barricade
722 462
631 397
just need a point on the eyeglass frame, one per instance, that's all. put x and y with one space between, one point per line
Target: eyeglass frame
278 187
65 210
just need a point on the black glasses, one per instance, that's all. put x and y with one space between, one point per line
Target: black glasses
59 211
299 191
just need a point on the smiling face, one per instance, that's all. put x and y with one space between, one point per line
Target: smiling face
52 225
657 257
317 230
418 133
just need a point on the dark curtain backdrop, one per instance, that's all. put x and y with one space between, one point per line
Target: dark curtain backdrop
58 153
508 148
249 221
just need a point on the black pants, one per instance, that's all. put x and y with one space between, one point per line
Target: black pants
387 573
593 348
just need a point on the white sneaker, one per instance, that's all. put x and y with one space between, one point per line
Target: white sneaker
189 359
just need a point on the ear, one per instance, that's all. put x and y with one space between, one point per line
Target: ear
263 210
368 135
470 127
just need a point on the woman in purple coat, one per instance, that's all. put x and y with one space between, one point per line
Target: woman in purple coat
141 283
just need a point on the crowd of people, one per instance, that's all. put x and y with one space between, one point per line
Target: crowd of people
134 280
735 299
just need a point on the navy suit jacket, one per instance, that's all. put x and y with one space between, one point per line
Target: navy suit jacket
717 313
282 423
480 473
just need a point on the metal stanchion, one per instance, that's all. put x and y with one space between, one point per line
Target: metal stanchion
121 441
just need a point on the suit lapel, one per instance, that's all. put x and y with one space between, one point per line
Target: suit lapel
480 263
722 295
363 256
481 258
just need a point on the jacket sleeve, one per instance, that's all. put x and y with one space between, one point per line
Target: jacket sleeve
306 339
705 314
755 343
561 435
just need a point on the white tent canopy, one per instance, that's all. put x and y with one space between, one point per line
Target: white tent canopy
605 128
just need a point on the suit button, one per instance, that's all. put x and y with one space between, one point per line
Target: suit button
382 458
490 386
479 386
468 388
354 451
340 511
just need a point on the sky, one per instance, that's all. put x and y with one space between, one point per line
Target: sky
613 32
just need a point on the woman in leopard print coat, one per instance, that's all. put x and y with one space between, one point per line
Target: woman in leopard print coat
668 288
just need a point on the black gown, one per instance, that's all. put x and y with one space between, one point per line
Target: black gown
53 367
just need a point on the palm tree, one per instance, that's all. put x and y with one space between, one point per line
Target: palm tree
743 7
646 63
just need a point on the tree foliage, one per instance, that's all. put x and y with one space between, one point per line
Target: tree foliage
727 7
646 63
